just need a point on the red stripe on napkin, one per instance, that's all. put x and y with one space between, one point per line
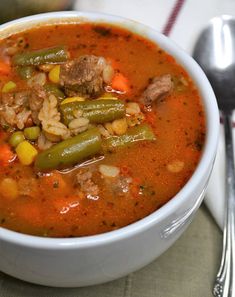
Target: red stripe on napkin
173 16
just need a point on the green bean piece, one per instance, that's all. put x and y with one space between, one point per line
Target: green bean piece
53 89
25 72
70 151
16 138
49 55
134 134
97 111
32 133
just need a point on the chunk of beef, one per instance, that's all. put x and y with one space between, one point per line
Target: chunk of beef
157 89
85 76
86 184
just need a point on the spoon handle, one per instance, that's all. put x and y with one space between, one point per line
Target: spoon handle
225 280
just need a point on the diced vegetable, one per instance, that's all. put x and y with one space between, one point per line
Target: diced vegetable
72 99
132 108
51 137
54 74
26 153
55 90
9 86
137 119
43 56
119 126
25 72
32 133
5 68
6 155
16 138
137 133
70 151
9 188
120 83
97 111
109 171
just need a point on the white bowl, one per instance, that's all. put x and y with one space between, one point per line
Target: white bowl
73 262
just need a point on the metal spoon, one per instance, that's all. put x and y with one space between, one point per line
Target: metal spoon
215 52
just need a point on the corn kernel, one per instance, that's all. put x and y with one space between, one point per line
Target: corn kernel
26 153
9 86
119 126
9 188
72 99
54 74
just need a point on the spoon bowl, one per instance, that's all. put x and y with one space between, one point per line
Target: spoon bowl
215 52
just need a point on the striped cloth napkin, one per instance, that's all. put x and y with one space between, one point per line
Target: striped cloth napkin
182 21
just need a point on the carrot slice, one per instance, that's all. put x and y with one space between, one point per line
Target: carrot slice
5 68
6 155
120 83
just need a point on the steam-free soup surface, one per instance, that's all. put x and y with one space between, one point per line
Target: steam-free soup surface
66 172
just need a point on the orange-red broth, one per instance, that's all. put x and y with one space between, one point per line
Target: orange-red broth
52 206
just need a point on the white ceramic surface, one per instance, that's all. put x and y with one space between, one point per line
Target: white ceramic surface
96 259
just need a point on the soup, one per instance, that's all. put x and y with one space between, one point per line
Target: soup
99 128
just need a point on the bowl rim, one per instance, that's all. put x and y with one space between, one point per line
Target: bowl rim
208 154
